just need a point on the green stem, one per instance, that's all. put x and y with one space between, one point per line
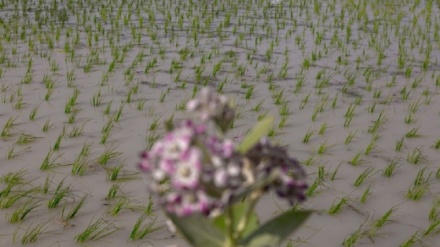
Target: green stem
230 240
254 197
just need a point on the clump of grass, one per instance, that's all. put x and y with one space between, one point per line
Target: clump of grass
26 139
412 133
419 187
436 144
107 155
60 137
378 223
357 159
389 170
10 197
106 130
140 229
351 135
96 230
337 206
48 161
307 136
415 157
47 125
7 127
21 212
32 233
33 113
74 210
365 195
399 144
80 165
60 193
114 190
116 208
313 187
363 176
353 238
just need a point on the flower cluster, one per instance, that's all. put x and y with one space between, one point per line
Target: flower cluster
195 171
212 107
290 180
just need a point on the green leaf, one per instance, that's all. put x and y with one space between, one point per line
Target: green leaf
198 230
239 211
276 230
254 136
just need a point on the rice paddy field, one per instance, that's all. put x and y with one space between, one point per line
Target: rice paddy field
86 85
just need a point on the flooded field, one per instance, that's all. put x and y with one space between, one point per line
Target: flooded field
85 86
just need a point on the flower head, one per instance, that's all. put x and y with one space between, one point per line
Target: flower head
210 106
194 171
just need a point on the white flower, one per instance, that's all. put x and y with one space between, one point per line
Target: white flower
188 169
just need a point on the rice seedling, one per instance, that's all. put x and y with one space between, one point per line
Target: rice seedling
436 144
323 148
357 159
22 211
96 230
353 239
107 155
282 122
48 161
12 153
7 127
26 139
419 187
415 157
434 213
363 176
350 111
378 223
60 137
411 241
118 113
390 169
434 227
113 173
9 197
141 104
59 194
74 210
106 130
32 233
80 165
307 136
140 230
77 131
112 193
399 144
304 101
350 137
96 99
115 209
365 195
347 122
412 133
381 119
323 128
370 146
337 206
249 92
72 117
33 113
313 187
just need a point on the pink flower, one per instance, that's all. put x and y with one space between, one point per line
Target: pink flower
188 170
